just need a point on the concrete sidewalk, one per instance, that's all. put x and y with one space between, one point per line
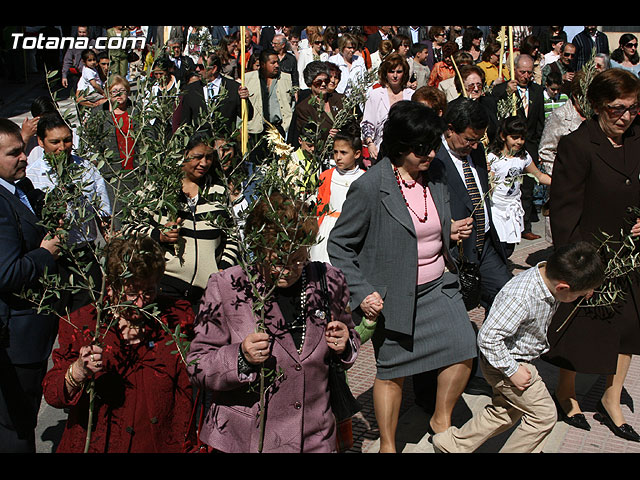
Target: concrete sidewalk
412 436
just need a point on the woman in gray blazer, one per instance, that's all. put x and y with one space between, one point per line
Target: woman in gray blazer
391 242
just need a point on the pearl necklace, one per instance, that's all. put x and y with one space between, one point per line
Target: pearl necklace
401 182
301 320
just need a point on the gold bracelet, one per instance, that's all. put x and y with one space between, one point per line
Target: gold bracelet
72 381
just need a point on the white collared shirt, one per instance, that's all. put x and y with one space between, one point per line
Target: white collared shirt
213 86
457 162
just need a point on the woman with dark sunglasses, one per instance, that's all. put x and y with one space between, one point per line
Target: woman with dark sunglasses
391 241
626 55
595 184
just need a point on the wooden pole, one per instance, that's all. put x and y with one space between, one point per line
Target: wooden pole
243 53
503 39
511 66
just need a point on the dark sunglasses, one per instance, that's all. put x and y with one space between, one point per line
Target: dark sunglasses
423 150
617 112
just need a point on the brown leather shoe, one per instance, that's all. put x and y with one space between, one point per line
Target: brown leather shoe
530 236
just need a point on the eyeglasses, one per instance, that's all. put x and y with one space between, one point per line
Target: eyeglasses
473 86
321 81
424 149
117 93
199 66
631 45
616 111
146 295
568 55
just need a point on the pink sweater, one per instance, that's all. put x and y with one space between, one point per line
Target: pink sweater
430 259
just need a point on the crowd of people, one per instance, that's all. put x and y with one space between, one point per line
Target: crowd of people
455 144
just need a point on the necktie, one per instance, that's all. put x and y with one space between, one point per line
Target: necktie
525 100
23 198
478 204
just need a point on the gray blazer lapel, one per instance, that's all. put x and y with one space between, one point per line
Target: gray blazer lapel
393 201
440 194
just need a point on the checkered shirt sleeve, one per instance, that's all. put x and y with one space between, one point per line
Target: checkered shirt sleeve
516 328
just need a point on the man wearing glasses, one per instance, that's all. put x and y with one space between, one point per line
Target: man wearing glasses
213 84
564 66
286 60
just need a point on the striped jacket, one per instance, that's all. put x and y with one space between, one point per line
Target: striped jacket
207 244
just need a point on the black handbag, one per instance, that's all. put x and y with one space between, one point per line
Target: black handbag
343 403
469 277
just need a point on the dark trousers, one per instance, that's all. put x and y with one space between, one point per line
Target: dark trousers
20 398
529 207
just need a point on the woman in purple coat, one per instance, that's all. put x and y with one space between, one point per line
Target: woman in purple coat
298 341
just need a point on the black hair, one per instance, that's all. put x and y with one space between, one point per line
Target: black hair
313 69
86 54
578 264
410 125
417 48
350 133
465 113
49 121
9 127
265 54
553 78
513 126
42 105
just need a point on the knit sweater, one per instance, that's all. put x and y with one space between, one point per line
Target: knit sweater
206 244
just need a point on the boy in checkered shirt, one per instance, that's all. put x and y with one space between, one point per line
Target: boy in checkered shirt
511 338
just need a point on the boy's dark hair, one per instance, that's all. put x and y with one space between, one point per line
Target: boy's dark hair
578 264
554 78
42 105
49 121
417 48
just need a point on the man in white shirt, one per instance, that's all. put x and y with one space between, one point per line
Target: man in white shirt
90 214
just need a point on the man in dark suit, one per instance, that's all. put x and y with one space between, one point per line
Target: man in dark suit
180 63
26 337
196 95
586 41
417 34
375 39
531 110
464 161
467 122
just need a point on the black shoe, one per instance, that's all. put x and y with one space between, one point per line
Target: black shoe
578 420
478 386
625 430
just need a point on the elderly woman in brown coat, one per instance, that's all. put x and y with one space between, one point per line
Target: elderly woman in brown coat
595 184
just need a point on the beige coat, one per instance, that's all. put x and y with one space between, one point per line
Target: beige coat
284 92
